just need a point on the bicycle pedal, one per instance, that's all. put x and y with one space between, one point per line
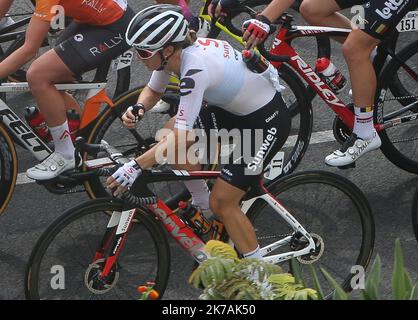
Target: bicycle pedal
348 166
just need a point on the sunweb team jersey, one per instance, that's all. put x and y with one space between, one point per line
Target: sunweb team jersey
214 72
94 12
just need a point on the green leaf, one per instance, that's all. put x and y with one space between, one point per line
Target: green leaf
297 271
339 293
414 292
408 283
398 275
317 285
372 284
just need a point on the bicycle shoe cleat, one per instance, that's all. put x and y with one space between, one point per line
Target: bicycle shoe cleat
353 149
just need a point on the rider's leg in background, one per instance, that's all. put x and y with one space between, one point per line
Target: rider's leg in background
4 7
197 24
224 203
324 13
182 3
357 49
42 74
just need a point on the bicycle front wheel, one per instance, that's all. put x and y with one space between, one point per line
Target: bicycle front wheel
335 213
415 214
8 168
64 254
397 108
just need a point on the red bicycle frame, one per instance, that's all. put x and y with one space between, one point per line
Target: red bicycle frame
282 46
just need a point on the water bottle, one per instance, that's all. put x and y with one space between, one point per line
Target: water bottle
258 64
330 74
36 121
218 231
73 123
255 61
194 217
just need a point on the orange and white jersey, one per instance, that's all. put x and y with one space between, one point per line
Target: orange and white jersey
94 12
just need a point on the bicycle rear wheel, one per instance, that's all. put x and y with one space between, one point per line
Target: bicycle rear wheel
415 214
8 168
62 256
336 214
400 108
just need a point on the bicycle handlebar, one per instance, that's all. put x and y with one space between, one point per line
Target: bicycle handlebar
118 159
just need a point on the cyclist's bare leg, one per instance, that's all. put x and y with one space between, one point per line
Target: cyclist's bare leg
197 188
324 13
224 202
356 50
42 74
4 7
71 103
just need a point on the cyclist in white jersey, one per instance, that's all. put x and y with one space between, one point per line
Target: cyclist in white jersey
210 71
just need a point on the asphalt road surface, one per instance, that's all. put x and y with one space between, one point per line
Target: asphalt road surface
388 189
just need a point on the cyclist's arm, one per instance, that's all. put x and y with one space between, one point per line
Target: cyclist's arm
35 34
194 82
155 89
4 7
148 97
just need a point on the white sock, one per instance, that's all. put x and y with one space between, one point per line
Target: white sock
363 122
255 254
62 140
200 194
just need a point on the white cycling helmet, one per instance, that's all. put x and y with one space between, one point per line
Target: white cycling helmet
157 26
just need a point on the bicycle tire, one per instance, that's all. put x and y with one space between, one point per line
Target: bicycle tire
39 265
302 120
8 168
295 192
414 215
394 138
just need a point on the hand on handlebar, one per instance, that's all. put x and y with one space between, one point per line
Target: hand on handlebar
255 31
132 115
123 178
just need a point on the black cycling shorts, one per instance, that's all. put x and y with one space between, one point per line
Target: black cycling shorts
84 47
273 121
381 16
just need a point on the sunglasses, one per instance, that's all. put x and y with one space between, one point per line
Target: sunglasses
146 54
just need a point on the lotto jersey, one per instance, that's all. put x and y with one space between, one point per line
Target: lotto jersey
213 71
94 12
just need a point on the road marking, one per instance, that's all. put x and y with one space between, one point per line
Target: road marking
317 137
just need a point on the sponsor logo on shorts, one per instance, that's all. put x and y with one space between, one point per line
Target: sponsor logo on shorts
105 46
79 37
391 6
274 115
381 29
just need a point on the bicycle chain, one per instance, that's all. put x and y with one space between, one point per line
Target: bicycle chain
401 98
273 237
405 140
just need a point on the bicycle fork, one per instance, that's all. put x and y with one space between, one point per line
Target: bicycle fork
116 230
298 229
